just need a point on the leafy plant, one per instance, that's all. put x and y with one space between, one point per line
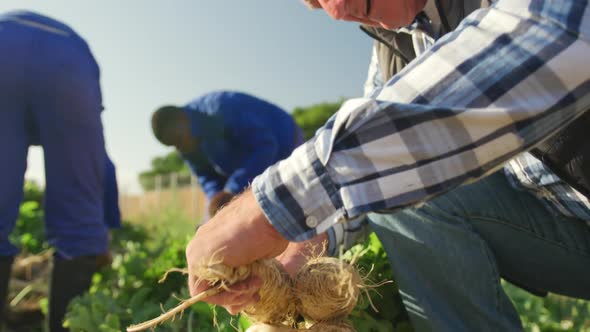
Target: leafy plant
391 315
29 230
313 117
128 292
165 165
550 314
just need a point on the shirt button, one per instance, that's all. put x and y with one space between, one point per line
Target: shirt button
311 221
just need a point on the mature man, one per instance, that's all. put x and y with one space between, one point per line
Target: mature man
50 95
505 79
227 138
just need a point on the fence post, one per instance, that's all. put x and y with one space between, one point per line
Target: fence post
173 181
193 197
158 191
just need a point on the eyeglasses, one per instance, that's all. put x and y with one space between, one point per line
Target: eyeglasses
367 8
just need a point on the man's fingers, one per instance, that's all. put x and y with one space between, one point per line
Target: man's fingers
241 303
251 283
239 295
192 285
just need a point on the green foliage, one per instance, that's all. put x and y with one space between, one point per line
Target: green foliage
391 315
313 117
29 230
171 221
32 192
168 164
128 292
172 162
550 314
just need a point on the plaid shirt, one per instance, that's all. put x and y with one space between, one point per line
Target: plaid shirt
529 173
508 77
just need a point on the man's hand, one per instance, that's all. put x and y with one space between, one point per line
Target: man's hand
298 253
238 235
218 201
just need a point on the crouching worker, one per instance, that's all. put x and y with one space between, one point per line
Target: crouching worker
227 138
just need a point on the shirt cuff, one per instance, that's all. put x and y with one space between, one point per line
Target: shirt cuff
298 195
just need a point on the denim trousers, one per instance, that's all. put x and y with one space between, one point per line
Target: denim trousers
449 255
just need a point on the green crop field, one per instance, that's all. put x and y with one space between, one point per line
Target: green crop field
129 292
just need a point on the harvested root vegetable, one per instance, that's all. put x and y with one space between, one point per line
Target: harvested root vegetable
327 289
331 327
276 304
318 327
270 328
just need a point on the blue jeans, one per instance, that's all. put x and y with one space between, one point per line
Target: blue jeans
448 256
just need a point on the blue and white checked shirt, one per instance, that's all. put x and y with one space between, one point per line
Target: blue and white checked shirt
529 173
509 76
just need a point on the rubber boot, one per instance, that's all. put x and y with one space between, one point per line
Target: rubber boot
5 268
69 278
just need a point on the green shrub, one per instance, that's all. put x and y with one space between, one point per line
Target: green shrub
165 165
313 117
29 230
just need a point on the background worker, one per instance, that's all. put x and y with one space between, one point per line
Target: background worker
227 138
50 95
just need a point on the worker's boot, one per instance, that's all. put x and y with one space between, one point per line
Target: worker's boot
5 267
69 278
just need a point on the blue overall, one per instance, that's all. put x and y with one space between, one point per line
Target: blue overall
50 95
239 137
112 213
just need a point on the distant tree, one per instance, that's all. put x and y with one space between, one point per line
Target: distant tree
166 165
312 117
170 163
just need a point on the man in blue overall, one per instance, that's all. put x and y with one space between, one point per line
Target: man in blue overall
227 138
50 95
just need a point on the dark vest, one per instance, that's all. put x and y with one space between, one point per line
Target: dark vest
564 153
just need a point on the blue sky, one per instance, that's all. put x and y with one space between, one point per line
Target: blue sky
158 52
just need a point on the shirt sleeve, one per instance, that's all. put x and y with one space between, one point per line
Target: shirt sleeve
374 81
264 150
345 235
210 181
508 77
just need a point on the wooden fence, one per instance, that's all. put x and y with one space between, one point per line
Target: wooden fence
190 200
